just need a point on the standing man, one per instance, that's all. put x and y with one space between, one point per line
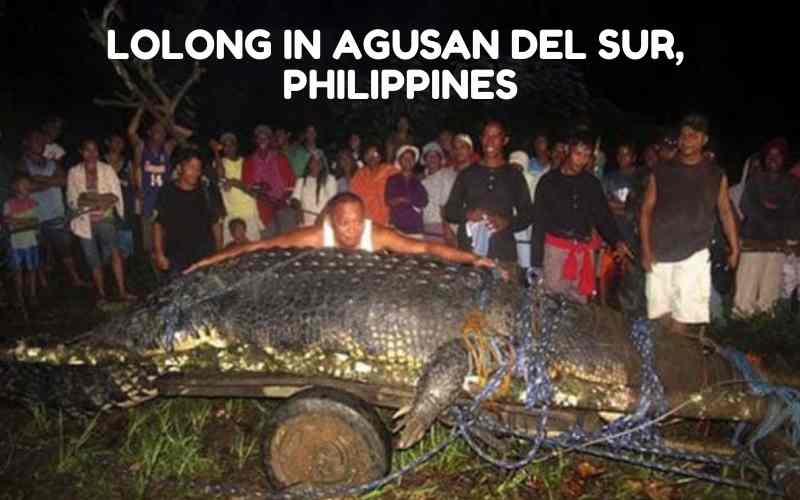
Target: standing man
677 224
540 163
52 128
48 180
152 168
767 210
569 206
269 169
184 218
668 148
490 200
619 185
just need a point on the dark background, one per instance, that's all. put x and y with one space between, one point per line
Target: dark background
741 71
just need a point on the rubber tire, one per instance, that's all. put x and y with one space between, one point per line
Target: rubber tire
361 448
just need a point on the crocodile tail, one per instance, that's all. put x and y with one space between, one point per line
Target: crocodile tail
76 389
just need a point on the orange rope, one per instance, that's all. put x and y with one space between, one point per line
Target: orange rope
484 358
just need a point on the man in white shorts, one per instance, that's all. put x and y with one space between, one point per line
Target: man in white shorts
681 200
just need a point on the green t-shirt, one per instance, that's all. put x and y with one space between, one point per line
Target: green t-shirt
298 159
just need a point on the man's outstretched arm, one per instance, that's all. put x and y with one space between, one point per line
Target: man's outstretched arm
310 236
388 239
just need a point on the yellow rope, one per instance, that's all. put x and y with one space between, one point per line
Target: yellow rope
477 340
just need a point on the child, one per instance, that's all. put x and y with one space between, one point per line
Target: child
238 230
20 215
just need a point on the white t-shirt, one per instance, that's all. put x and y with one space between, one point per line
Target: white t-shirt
328 241
305 191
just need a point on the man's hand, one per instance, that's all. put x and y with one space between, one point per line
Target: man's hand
647 260
199 265
536 276
162 262
622 250
475 214
484 262
733 259
498 223
489 263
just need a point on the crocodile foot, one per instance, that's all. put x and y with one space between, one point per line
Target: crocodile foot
437 389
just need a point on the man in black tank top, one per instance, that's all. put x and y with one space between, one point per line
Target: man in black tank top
677 223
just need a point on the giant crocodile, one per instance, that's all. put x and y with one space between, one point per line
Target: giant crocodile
376 318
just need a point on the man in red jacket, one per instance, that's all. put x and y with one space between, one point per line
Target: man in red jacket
268 169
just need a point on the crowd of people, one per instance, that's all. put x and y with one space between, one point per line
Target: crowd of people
556 210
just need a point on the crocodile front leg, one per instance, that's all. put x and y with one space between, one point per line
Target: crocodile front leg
438 388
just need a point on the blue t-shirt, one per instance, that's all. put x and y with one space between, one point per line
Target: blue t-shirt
50 201
156 173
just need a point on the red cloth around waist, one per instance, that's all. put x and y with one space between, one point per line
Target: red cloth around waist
570 269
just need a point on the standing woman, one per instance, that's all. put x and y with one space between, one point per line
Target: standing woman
405 194
313 190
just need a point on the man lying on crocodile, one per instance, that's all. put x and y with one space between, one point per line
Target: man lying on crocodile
346 227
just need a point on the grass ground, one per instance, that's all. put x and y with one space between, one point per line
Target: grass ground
204 449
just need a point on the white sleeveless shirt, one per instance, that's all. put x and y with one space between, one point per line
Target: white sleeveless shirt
328 241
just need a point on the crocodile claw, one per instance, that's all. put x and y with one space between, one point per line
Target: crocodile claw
437 389
402 411
413 428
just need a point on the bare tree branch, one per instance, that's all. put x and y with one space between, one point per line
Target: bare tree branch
99 30
197 72
148 74
112 103
144 88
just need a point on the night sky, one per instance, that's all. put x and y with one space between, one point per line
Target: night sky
738 71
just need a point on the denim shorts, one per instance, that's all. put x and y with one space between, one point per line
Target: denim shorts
23 259
104 236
